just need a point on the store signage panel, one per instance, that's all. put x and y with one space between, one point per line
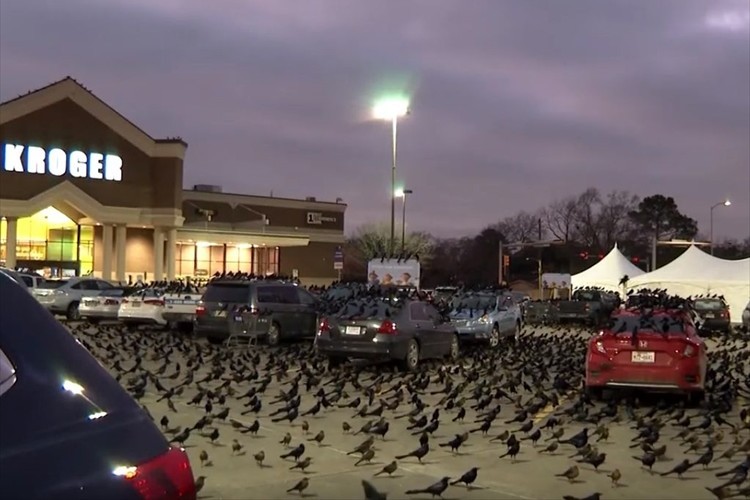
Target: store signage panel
55 161
318 218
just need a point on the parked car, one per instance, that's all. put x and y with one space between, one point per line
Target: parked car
288 310
105 305
746 316
405 331
486 316
711 314
539 312
64 296
179 307
143 307
655 350
15 276
590 306
68 429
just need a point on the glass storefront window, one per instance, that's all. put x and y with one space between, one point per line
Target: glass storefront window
204 259
49 239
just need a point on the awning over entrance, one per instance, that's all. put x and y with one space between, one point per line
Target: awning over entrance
269 239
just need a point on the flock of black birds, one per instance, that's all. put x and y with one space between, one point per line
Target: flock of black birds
525 398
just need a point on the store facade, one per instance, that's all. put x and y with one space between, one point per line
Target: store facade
85 191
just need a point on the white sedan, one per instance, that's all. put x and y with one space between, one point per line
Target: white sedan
142 308
104 306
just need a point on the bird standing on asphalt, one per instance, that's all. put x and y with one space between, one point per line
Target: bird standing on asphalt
435 489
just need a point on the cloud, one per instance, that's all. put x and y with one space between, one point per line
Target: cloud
514 103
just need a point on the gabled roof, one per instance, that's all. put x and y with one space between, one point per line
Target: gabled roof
68 88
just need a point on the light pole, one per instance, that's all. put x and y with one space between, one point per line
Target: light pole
392 109
402 193
725 203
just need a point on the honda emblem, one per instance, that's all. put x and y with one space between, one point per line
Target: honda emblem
642 344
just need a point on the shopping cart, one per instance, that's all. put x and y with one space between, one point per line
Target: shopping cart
246 327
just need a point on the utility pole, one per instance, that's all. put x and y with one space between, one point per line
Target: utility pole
539 261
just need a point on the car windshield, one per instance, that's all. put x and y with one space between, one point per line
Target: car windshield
659 323
708 305
52 284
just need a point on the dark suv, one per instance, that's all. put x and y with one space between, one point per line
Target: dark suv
67 428
283 310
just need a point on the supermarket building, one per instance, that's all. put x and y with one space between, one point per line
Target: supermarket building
85 191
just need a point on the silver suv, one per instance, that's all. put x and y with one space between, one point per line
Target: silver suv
64 296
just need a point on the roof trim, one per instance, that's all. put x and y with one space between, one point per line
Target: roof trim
233 199
68 88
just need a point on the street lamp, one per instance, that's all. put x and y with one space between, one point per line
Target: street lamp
725 203
401 193
392 109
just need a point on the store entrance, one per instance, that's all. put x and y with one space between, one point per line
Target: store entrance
52 244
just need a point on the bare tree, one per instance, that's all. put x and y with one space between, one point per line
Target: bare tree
613 222
586 220
520 228
372 241
560 218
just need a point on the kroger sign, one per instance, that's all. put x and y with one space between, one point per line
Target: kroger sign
35 160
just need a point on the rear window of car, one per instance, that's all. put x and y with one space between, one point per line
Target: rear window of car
708 305
586 296
277 294
658 323
228 292
52 284
377 309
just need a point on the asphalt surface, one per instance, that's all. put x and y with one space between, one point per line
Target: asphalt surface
333 473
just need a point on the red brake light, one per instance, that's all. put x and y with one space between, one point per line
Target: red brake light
200 311
168 476
388 327
124 301
324 326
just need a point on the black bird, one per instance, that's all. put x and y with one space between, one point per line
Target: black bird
513 450
454 443
578 440
533 437
419 453
679 469
460 415
295 453
436 489
468 477
647 460
371 493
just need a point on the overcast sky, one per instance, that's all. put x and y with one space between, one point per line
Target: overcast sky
514 103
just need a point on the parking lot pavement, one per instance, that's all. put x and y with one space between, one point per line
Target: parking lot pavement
333 474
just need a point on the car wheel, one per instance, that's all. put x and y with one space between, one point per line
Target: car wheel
335 361
273 337
495 336
594 393
72 312
695 398
455 349
411 362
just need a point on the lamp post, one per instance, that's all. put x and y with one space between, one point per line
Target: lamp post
725 203
402 193
391 109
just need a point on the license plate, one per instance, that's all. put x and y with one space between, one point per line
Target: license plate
642 357
135 304
709 315
221 314
353 330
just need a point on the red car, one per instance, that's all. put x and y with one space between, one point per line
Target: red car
654 349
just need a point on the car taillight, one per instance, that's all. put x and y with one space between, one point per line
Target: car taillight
600 347
124 301
587 307
200 311
167 476
724 314
388 327
689 351
324 326
110 302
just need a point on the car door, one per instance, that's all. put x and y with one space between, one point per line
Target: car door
440 329
275 299
506 320
423 329
308 312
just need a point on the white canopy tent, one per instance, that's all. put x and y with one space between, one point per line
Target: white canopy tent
607 273
695 272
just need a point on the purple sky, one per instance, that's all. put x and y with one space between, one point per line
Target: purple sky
514 103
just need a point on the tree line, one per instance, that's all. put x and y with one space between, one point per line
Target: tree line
580 229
